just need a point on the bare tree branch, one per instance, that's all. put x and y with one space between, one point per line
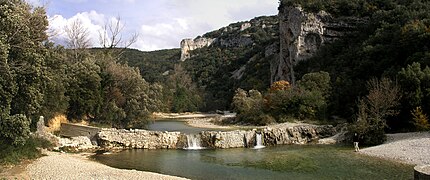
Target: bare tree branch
77 35
111 37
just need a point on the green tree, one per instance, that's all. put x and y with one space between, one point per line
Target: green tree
127 98
55 101
84 90
22 70
250 107
186 95
318 81
14 129
23 33
415 83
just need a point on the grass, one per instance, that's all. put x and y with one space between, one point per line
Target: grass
10 154
331 162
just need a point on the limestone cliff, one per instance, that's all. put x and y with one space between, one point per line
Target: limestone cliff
301 34
188 45
240 34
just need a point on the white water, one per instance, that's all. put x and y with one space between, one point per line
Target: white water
193 142
258 139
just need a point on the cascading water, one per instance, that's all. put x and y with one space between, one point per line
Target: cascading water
258 140
193 142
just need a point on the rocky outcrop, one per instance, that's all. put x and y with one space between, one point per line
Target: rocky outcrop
297 134
188 45
302 34
42 132
245 26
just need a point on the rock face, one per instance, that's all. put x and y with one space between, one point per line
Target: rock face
245 26
188 45
301 35
297 135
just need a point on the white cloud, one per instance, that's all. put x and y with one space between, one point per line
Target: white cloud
162 35
92 20
37 2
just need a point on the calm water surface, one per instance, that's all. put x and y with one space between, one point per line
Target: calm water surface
174 125
280 162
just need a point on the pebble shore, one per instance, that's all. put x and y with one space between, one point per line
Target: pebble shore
410 148
78 166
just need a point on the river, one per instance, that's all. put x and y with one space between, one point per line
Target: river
278 162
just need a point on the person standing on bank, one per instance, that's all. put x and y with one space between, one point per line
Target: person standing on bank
355 139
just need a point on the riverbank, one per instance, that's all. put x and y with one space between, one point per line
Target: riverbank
57 165
212 121
410 148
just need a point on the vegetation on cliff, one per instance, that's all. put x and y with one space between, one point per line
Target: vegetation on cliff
237 59
393 43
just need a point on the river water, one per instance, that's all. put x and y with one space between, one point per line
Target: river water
278 162
174 125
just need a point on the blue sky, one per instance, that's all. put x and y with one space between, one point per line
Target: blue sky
161 24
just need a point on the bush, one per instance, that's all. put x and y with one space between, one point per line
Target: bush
421 121
249 107
375 108
15 129
10 154
297 103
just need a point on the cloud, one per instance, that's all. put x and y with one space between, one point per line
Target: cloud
36 2
92 21
162 35
163 23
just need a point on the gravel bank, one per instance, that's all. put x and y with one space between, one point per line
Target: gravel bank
411 148
77 166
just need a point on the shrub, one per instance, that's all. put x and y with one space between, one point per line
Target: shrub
316 82
280 85
375 108
420 119
297 103
249 107
15 129
10 154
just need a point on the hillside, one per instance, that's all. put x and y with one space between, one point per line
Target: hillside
153 64
239 57
348 43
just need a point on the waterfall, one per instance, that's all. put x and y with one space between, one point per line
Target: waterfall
193 142
258 140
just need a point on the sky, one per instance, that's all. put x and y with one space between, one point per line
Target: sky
161 24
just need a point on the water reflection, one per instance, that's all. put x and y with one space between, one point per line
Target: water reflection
282 162
174 125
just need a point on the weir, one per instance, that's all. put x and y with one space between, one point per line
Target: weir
259 141
193 142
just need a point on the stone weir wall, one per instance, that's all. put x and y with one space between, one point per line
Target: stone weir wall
140 139
143 139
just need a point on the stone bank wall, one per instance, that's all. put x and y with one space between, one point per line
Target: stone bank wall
140 139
